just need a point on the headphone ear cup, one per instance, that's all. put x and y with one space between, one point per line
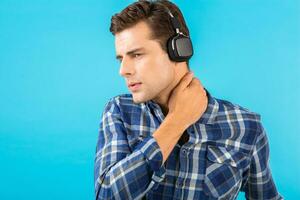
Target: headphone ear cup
184 48
171 51
179 48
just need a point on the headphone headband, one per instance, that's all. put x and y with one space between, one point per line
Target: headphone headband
174 21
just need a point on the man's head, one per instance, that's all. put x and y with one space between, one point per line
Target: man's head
141 32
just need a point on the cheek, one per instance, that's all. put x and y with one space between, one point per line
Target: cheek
159 78
165 70
156 71
161 65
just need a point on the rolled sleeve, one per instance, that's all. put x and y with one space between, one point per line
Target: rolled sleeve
120 172
154 157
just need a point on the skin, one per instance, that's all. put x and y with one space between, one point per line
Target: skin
180 95
150 65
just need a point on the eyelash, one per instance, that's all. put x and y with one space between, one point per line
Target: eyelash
137 54
133 56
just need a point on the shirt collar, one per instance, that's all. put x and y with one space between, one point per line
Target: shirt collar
209 115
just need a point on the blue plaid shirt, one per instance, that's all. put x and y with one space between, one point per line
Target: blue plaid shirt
227 152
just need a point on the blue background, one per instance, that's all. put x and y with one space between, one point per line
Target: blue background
58 69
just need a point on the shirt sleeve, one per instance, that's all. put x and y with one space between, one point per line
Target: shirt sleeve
260 184
119 172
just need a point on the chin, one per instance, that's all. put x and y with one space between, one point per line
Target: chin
137 100
140 98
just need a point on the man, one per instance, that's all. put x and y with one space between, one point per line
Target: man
169 138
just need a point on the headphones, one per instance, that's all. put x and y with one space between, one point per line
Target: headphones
179 46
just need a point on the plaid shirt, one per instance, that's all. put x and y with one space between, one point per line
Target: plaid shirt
227 152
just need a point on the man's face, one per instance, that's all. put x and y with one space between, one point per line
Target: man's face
143 61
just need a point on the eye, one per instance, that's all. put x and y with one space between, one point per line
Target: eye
137 55
120 60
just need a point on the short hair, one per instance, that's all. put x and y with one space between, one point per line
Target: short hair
155 15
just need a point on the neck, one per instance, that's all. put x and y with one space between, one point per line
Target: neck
162 99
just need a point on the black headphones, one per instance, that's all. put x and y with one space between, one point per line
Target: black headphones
179 46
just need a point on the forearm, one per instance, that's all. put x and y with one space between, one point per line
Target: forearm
168 134
136 171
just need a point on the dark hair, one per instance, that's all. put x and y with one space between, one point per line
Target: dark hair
156 16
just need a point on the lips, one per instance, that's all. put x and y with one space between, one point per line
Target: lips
134 86
134 83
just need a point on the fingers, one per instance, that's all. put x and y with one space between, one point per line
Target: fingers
185 80
196 83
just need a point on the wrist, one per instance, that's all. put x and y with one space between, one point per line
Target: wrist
177 122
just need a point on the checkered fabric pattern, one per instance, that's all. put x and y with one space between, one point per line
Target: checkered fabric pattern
227 152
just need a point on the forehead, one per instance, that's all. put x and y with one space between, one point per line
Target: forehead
138 35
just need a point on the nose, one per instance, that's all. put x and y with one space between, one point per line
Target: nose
126 67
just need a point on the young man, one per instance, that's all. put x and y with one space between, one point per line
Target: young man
169 138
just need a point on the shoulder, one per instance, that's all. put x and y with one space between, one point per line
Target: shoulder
232 112
242 122
121 104
120 100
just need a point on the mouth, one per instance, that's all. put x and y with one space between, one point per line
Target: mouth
134 86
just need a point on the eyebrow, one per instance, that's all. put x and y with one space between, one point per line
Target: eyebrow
131 52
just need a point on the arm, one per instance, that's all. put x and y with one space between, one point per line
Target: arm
260 183
167 142
186 104
120 173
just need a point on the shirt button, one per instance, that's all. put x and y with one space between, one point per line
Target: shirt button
179 183
184 152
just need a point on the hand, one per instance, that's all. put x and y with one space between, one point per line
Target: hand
188 100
